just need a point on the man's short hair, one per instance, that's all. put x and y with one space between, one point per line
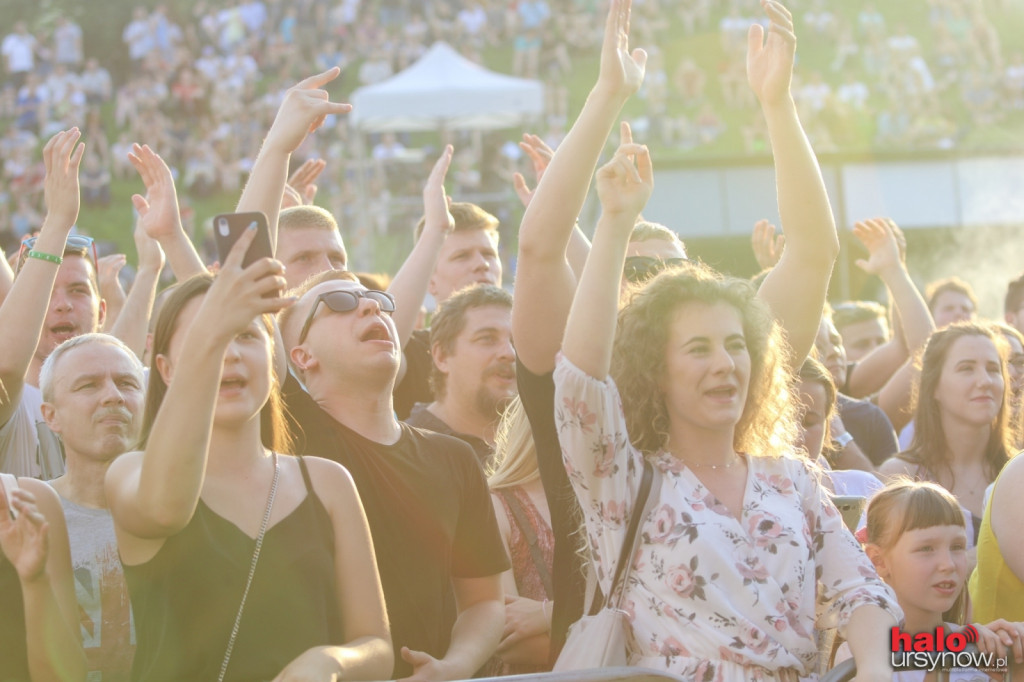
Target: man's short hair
645 230
47 376
1014 295
450 319
468 217
307 217
954 284
855 312
286 316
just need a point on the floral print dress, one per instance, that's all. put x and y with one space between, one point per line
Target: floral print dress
712 597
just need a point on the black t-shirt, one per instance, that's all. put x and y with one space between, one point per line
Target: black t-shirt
870 428
537 393
422 418
430 515
415 385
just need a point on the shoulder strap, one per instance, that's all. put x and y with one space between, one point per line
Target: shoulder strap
305 475
625 562
509 497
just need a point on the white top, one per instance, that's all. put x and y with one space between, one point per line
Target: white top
712 596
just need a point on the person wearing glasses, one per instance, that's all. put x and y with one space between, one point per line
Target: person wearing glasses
434 532
243 563
474 373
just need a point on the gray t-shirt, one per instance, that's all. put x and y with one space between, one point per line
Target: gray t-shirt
27 445
108 634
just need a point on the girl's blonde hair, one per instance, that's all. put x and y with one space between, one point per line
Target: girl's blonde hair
515 455
767 425
906 505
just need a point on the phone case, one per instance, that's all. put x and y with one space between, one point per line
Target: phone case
228 227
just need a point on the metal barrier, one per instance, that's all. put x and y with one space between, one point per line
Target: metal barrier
621 674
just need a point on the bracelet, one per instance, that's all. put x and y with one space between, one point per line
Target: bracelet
48 257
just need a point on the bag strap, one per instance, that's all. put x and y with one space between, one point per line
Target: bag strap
629 544
526 529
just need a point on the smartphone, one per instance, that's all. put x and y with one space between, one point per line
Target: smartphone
10 484
228 227
851 507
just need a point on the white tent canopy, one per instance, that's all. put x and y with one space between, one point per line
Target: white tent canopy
443 89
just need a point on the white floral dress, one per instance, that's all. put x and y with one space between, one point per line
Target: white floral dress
712 597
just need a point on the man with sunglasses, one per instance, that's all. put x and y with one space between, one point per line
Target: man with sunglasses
436 540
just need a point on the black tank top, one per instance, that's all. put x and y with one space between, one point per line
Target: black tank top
185 599
13 653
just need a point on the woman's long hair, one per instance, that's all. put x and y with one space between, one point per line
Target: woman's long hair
767 424
273 428
929 448
515 455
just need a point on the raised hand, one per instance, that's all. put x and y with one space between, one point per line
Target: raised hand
303 179
625 183
151 256
239 295
304 109
766 244
159 216
770 62
23 540
62 158
622 71
110 284
540 154
435 200
879 237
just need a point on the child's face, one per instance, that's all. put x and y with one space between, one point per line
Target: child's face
926 568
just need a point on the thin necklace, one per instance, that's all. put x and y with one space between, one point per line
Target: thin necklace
699 465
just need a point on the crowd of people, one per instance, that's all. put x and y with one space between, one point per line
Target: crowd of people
282 469
201 84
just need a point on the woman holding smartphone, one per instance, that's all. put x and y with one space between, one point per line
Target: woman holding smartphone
243 563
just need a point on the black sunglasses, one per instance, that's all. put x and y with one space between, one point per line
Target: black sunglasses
640 268
347 301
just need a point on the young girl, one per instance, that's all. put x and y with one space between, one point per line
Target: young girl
917 540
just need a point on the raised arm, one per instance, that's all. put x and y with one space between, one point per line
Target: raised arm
409 287
304 109
544 278
879 236
796 288
6 278
24 310
154 494
884 363
132 323
624 189
36 544
159 216
300 190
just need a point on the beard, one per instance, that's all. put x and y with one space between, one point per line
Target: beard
488 401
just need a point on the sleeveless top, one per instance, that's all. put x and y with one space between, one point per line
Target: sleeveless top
185 599
996 591
531 548
13 643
